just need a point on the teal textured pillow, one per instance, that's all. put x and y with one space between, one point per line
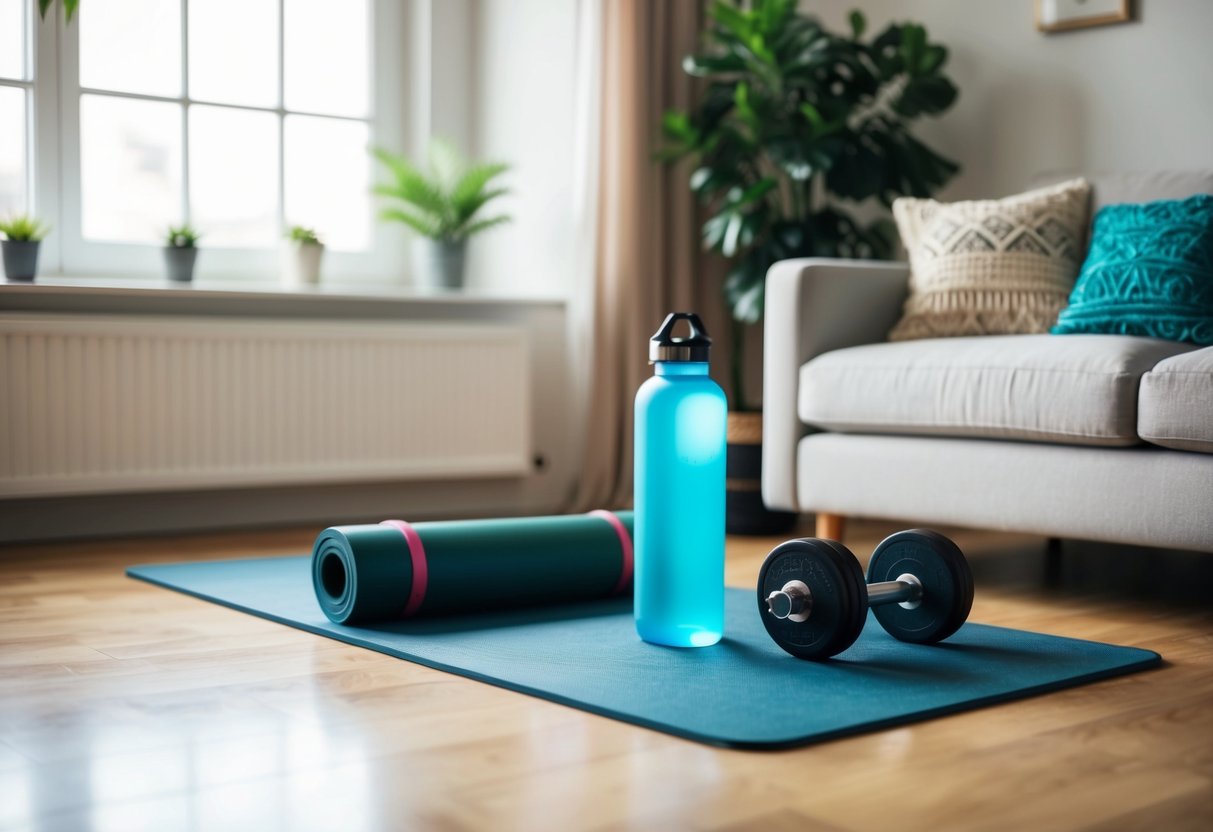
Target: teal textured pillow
1149 272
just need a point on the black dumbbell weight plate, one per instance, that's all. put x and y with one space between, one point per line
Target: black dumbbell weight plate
840 598
947 585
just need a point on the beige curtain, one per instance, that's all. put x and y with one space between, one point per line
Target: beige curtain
646 259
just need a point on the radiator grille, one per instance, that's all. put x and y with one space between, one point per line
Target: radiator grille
95 404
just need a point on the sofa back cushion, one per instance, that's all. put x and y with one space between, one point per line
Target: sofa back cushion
1133 186
1118 188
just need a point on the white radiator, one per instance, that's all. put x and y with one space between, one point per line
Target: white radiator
107 404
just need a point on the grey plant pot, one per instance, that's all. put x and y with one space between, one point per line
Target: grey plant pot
20 258
180 262
438 264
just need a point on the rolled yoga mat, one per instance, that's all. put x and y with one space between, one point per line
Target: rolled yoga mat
393 570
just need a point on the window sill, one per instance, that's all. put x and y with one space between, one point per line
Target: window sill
211 297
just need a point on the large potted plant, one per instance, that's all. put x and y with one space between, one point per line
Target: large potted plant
444 205
794 128
23 237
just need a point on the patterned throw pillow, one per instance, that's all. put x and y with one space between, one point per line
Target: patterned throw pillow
991 267
1149 272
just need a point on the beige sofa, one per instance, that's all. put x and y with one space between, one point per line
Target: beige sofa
1098 437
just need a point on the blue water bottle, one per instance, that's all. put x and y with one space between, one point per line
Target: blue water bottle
679 524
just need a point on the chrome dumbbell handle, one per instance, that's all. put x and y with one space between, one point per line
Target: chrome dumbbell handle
795 601
906 590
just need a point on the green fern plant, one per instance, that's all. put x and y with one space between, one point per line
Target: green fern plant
22 228
446 201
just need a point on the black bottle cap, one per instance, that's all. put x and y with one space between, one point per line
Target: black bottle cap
663 346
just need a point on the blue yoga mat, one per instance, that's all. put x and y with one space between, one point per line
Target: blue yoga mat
744 692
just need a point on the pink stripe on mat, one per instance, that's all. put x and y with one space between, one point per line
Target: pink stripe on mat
625 543
421 571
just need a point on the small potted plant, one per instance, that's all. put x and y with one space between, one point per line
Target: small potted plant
301 255
180 252
443 205
23 236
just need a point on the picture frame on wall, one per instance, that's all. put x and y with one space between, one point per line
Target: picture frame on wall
1065 15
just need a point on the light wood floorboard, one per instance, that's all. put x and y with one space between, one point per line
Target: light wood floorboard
124 706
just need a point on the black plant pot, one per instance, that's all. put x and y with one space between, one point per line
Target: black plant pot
20 258
745 512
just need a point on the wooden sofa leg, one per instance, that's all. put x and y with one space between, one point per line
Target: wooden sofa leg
831 526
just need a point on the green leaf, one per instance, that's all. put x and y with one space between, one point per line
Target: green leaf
925 95
737 22
745 287
858 24
69 8
425 226
913 44
445 163
813 115
714 229
703 66
707 181
755 192
484 225
741 100
732 233
792 158
677 125
933 58
471 190
413 187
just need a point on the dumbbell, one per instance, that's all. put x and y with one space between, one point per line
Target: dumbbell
814 600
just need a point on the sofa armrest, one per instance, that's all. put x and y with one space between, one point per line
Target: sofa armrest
813 306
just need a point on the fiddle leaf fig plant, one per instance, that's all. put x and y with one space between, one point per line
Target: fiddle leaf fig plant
794 127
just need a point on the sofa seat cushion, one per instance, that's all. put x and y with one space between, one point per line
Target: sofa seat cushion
1175 404
1077 389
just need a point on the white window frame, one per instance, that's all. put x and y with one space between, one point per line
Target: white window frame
55 150
41 108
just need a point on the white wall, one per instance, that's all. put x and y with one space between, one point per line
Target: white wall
523 114
1133 96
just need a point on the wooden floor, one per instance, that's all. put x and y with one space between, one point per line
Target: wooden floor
127 707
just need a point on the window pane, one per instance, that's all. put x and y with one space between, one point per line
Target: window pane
12 151
328 56
12 39
328 179
131 46
234 52
130 168
234 176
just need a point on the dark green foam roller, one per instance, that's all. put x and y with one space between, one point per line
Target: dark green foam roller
394 570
